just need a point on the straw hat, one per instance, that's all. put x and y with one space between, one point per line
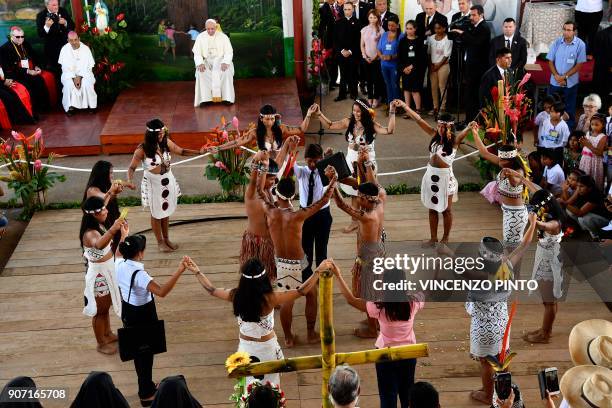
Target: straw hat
587 386
590 342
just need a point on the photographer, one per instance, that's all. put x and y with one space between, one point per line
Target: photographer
476 42
53 24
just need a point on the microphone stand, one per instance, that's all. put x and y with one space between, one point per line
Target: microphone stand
317 56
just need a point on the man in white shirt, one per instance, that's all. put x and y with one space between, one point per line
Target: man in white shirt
214 74
588 15
514 42
78 79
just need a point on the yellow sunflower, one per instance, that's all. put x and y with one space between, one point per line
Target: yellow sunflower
236 360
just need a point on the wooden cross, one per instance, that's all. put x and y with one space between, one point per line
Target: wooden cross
329 359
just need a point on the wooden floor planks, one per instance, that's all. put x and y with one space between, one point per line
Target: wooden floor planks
43 333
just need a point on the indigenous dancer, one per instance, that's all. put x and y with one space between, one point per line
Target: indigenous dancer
101 184
547 268
101 288
159 189
511 189
254 301
256 240
361 131
369 213
285 226
270 134
439 185
489 309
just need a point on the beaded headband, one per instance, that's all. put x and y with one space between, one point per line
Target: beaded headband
450 123
255 276
544 201
270 116
157 130
282 197
97 211
366 107
507 155
488 254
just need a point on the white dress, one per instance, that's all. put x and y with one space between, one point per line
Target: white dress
548 265
159 192
352 155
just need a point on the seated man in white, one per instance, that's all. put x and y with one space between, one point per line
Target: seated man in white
77 76
214 74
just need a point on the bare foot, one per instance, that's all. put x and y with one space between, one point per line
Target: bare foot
164 248
443 249
291 341
365 333
541 338
111 338
351 228
108 348
481 396
313 337
533 332
430 243
172 245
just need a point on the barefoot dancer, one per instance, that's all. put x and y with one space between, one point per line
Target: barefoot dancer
438 195
369 213
254 301
489 309
547 267
285 227
159 189
269 134
256 240
361 131
101 289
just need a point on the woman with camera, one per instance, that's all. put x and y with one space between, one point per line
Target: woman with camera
138 304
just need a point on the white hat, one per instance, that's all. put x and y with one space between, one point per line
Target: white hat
587 386
590 342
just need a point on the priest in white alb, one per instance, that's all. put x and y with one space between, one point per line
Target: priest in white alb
214 74
78 79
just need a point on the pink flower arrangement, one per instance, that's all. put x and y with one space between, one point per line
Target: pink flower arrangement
37 165
219 164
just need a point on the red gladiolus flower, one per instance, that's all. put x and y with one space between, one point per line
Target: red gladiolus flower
106 77
113 68
495 94
120 16
518 98
524 80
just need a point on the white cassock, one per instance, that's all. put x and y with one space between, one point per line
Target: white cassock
75 63
213 85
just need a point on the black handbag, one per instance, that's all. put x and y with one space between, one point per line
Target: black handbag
338 162
148 337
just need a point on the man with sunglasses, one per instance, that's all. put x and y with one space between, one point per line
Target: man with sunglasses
20 63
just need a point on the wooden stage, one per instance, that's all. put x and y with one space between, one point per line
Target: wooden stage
43 333
120 128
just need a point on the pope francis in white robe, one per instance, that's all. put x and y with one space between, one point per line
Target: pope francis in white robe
77 76
214 74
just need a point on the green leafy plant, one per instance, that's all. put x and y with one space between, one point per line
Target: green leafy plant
228 166
28 178
109 49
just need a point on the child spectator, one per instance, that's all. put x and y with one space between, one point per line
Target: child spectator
412 64
573 151
586 207
553 176
439 48
535 164
554 132
593 147
170 42
568 188
547 104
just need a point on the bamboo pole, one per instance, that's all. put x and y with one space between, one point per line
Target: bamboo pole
384 354
501 115
277 366
328 338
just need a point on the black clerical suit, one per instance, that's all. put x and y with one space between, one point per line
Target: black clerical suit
347 36
602 74
489 80
56 37
328 15
364 8
11 56
421 23
476 44
385 20
518 47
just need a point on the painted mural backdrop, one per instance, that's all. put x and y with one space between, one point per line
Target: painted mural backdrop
254 27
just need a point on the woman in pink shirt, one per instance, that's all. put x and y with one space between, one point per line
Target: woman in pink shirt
396 319
370 35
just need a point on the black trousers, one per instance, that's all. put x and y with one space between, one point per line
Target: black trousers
472 102
348 75
332 69
315 233
143 363
374 79
588 24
